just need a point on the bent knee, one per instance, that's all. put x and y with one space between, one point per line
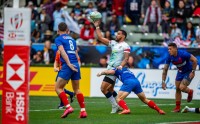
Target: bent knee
182 87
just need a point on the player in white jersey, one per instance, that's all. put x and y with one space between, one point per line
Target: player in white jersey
119 57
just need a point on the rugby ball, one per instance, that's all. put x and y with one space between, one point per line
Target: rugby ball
94 16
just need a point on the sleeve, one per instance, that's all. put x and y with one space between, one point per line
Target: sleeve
168 60
58 42
127 48
186 55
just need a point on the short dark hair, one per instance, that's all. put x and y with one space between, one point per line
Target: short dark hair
62 26
172 44
124 33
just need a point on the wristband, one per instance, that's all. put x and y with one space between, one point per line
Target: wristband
193 71
97 27
163 81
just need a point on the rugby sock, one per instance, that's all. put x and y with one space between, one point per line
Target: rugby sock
80 99
114 94
68 92
123 104
152 105
197 110
178 104
64 99
111 98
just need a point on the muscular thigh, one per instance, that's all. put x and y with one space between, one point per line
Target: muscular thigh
108 82
60 83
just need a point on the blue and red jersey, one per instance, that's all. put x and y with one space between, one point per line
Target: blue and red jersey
181 61
69 45
124 74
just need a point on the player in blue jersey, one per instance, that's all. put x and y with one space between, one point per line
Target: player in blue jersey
185 74
130 83
70 70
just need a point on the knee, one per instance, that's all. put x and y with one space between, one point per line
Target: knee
178 89
103 90
182 87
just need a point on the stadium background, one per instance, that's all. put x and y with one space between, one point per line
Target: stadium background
148 51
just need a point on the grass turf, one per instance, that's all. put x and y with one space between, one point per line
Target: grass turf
43 110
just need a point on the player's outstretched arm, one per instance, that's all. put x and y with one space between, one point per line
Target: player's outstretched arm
99 34
106 72
66 58
164 75
194 65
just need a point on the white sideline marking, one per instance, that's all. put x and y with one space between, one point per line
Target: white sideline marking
169 104
178 122
102 102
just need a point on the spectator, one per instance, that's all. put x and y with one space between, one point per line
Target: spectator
108 35
196 43
48 36
43 21
48 53
145 5
113 25
153 17
37 58
90 9
175 31
118 9
180 15
78 11
36 36
32 53
130 63
189 33
189 6
103 61
102 8
58 17
34 15
133 10
87 32
33 1
196 12
166 17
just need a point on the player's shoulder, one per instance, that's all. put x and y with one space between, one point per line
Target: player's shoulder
183 52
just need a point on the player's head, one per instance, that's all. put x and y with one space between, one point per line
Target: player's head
62 28
121 35
172 48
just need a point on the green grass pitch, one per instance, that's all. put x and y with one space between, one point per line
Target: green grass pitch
43 110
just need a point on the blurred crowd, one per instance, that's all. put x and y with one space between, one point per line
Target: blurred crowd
171 16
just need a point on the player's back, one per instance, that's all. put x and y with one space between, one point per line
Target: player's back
69 45
124 74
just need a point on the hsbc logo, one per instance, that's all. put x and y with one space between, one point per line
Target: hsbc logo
15 72
17 20
12 35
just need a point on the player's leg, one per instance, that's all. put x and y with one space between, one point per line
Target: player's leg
188 109
80 98
120 100
150 103
59 86
76 76
71 95
178 97
105 85
111 89
184 87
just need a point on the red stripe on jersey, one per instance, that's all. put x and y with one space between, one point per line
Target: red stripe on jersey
127 50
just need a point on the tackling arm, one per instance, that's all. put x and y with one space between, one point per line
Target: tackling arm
106 72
